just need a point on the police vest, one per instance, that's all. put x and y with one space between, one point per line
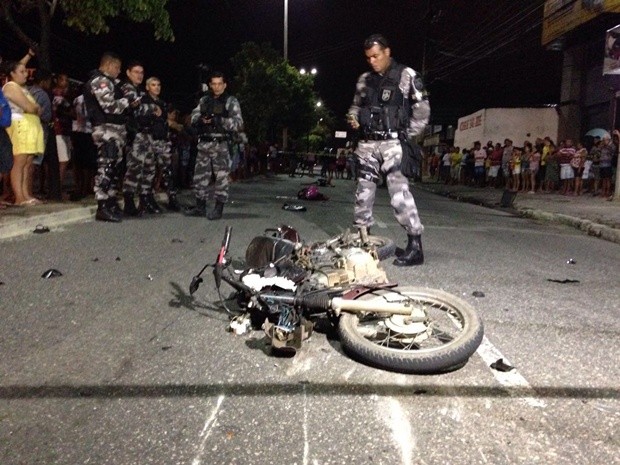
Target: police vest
157 126
93 108
214 108
384 108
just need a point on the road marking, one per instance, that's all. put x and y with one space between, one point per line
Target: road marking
512 381
401 430
348 374
301 362
206 431
306 443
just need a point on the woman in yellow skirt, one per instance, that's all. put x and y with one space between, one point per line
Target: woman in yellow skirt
25 132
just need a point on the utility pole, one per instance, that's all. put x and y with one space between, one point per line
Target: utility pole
285 129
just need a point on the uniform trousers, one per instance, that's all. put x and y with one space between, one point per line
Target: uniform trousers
211 171
373 159
109 140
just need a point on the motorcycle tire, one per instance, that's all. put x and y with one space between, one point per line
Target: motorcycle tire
384 246
444 342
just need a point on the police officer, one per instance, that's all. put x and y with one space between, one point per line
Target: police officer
140 157
389 103
106 106
216 119
161 146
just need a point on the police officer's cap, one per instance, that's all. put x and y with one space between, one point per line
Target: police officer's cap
376 39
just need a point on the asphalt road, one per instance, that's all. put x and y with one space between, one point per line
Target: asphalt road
114 363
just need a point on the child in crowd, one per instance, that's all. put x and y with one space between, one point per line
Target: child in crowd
534 167
578 163
515 167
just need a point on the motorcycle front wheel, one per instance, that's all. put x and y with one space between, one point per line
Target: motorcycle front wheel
444 333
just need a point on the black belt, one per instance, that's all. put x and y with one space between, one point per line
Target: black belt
381 135
212 138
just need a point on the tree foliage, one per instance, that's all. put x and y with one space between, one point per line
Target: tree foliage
273 94
89 16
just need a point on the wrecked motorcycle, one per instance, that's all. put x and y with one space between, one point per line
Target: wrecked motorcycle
285 286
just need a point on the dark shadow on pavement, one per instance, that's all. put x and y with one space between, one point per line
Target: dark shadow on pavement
183 299
120 391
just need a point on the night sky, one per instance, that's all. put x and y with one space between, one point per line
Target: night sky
479 53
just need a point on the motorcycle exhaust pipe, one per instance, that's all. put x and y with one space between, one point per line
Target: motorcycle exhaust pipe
323 302
338 304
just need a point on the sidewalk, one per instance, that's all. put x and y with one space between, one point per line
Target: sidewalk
593 215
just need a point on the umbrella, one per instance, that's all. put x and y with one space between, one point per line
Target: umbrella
598 132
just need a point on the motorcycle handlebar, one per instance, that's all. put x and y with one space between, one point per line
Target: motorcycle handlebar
221 256
225 244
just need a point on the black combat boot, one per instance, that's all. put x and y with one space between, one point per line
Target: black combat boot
200 209
147 205
129 208
173 203
216 213
153 203
114 207
413 254
104 213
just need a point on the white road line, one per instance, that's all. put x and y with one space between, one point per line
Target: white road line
206 431
401 430
301 362
306 443
511 380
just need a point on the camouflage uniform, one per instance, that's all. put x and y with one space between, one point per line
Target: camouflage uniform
161 152
141 159
106 107
379 151
213 160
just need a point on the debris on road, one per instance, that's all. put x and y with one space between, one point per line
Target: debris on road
500 365
293 208
51 273
40 229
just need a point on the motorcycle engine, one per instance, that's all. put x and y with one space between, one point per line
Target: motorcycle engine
350 266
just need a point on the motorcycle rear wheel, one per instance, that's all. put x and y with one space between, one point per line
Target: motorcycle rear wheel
385 246
449 336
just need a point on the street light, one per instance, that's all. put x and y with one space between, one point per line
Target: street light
285 30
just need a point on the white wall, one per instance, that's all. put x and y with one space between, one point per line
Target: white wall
497 124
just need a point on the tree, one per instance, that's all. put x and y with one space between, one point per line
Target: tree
89 16
273 94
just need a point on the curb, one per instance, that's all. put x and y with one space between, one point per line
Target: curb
23 226
27 225
592 229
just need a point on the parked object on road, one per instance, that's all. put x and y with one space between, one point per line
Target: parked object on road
285 286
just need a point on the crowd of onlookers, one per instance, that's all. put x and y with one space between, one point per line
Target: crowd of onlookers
46 148
541 166
48 135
